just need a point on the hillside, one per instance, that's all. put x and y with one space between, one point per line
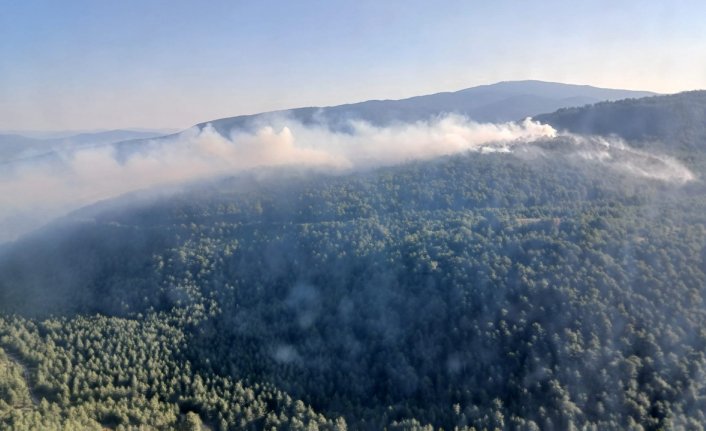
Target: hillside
478 290
673 123
15 146
501 102
557 285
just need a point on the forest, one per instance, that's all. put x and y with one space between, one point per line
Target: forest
469 292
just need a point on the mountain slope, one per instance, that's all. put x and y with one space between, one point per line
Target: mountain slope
675 123
482 290
15 146
501 102
545 288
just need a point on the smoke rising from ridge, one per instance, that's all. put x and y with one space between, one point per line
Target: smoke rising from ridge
33 192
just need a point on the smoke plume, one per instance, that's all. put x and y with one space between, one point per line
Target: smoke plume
33 192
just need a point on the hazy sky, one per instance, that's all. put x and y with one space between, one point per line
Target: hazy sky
140 63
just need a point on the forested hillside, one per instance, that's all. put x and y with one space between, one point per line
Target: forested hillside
675 123
475 291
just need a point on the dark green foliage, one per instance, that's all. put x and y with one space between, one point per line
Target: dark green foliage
674 123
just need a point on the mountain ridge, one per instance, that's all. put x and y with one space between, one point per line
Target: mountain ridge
14 146
672 122
473 102
504 101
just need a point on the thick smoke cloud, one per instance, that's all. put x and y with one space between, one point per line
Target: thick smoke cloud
33 192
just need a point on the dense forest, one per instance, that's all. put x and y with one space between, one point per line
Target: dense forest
474 291
673 123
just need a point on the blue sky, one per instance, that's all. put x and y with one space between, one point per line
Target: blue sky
156 64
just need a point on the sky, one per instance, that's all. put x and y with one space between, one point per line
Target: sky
86 65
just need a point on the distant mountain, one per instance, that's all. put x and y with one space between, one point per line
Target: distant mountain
63 134
108 137
14 146
501 102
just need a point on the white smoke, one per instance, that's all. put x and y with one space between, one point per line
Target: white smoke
35 191
616 154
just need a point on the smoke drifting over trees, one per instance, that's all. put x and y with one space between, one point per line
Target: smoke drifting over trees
426 275
34 190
